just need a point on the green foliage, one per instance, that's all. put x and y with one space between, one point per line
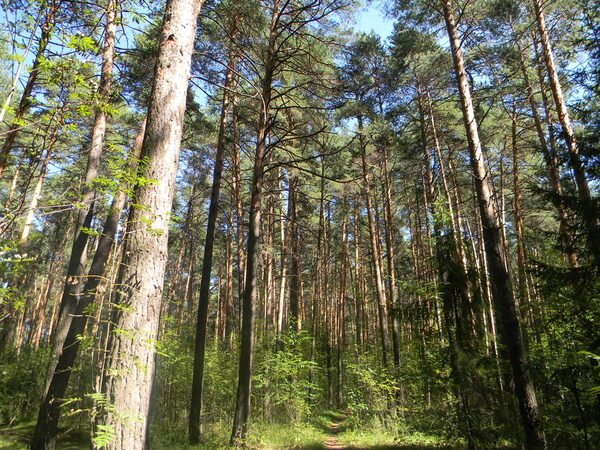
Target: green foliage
283 376
21 383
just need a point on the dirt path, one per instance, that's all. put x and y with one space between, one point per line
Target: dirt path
331 441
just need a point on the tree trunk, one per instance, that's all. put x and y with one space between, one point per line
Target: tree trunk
499 275
25 101
58 377
213 209
78 258
294 316
587 205
242 408
551 166
131 359
375 254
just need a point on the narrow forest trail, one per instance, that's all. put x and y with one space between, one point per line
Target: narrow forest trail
331 442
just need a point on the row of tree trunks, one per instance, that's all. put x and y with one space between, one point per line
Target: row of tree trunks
49 414
587 206
78 259
242 408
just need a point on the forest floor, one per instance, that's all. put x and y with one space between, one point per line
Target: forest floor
332 431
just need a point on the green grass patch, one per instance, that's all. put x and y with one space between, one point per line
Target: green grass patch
286 436
18 436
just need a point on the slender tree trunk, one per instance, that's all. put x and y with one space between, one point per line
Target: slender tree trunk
500 277
213 209
140 280
242 409
294 315
375 253
519 229
78 258
25 101
37 191
390 255
551 167
17 73
283 266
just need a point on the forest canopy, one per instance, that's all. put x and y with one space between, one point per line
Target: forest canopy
246 223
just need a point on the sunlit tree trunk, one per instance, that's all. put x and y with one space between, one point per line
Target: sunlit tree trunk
587 205
499 275
58 377
139 284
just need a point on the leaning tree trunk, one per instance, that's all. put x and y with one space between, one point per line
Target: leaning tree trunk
498 270
47 423
139 285
587 205
78 258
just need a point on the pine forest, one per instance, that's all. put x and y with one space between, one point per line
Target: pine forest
261 224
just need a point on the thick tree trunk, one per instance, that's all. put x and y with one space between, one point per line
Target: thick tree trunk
139 285
499 275
58 379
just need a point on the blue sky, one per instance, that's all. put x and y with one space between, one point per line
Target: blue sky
371 18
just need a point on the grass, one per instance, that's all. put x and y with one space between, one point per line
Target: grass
17 437
263 436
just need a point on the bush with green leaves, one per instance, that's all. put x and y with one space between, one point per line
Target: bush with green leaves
284 385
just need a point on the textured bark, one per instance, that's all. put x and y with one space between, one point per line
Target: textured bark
204 297
583 190
501 285
47 423
139 284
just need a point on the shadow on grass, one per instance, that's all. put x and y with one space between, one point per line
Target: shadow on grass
18 437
